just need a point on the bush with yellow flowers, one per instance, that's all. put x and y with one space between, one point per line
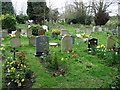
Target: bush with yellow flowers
55 32
17 72
8 22
110 56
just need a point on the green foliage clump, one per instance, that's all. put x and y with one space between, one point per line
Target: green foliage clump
8 22
21 19
35 29
56 31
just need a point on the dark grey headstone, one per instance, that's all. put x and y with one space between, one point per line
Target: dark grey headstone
92 43
42 45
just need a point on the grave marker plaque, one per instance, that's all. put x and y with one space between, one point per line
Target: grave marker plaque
66 44
42 45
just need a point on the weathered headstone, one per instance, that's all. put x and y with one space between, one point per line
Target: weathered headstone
4 33
17 33
42 45
114 31
32 41
24 32
88 31
66 44
63 32
110 42
77 30
100 29
29 33
15 42
92 43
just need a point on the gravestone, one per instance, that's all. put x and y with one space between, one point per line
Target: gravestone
114 31
17 33
88 31
100 29
66 44
77 30
29 33
73 39
42 45
63 32
4 33
15 42
110 42
92 43
32 41
24 32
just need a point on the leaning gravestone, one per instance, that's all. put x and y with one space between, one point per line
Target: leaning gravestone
66 44
4 33
92 43
63 32
42 45
110 42
15 42
32 41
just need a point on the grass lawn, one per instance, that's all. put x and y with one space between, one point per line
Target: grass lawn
77 74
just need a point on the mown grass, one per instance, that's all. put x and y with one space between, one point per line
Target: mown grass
78 75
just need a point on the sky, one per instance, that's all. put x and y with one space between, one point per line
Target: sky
60 4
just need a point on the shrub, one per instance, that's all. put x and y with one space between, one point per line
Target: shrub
55 32
21 19
35 29
8 22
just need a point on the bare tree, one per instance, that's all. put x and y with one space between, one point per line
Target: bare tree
100 11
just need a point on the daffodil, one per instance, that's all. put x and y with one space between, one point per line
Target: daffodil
98 47
3 39
2 45
13 35
62 59
22 80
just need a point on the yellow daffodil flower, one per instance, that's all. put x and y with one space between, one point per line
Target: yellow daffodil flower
22 80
